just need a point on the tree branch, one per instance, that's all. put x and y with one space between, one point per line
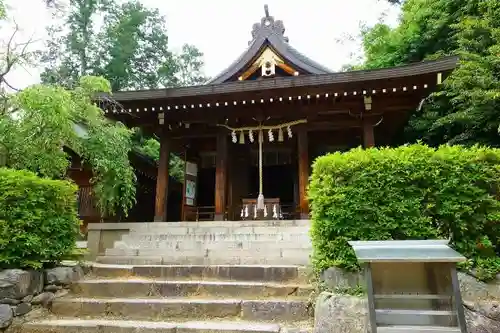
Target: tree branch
12 57
9 63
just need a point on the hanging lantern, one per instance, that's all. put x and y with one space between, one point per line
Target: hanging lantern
242 137
280 135
271 136
289 130
233 137
250 136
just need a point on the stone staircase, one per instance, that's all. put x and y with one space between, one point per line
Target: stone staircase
214 243
219 277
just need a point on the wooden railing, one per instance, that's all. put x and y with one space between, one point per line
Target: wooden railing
274 210
201 213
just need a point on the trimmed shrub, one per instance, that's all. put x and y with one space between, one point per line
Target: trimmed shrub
410 192
38 219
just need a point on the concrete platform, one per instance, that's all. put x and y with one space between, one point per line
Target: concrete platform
209 243
279 310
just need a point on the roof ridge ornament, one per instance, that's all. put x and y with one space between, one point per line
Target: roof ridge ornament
268 26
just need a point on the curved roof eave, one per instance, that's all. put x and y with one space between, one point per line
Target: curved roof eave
287 52
445 64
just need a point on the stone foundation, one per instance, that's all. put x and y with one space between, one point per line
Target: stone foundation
22 291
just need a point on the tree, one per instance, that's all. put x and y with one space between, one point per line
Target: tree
40 121
130 49
466 109
189 64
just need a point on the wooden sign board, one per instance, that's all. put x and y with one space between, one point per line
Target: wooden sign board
189 191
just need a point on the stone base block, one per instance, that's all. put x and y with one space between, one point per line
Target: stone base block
275 310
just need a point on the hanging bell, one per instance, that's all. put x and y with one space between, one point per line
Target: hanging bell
280 135
242 138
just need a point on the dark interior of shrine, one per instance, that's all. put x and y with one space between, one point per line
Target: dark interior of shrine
278 182
206 187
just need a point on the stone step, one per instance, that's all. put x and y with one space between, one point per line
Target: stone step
213 253
228 224
282 274
148 288
220 245
219 229
183 259
172 308
214 237
115 326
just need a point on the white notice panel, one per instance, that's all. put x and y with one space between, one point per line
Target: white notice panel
191 169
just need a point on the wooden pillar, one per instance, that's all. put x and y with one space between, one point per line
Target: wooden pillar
220 177
368 135
303 153
231 190
162 180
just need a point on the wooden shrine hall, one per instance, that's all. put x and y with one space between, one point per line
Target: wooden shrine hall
250 134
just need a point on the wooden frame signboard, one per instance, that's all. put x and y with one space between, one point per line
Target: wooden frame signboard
190 185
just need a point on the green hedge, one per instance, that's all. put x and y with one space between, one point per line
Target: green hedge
410 192
38 219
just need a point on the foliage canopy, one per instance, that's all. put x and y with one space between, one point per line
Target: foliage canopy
410 192
40 121
130 49
466 110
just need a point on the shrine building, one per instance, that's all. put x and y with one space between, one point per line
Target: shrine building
250 134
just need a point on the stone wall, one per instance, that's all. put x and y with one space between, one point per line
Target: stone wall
21 291
336 312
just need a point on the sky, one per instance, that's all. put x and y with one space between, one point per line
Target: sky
221 29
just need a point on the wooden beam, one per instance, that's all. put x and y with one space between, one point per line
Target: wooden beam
221 177
303 153
214 114
162 180
319 124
